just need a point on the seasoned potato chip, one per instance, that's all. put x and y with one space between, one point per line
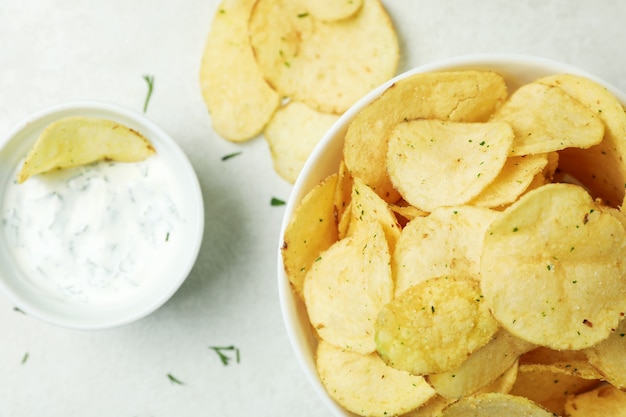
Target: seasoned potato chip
368 386
436 163
546 356
459 96
481 368
609 357
564 285
446 242
545 119
304 239
78 140
327 65
292 133
600 168
237 96
433 326
347 286
332 9
495 405
604 401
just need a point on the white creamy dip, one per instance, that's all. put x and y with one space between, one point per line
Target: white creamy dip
96 233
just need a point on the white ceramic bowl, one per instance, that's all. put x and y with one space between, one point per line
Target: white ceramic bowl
152 291
516 69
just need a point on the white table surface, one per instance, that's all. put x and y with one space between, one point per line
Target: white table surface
53 51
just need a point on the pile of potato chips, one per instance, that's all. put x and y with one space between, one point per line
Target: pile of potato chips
467 257
289 68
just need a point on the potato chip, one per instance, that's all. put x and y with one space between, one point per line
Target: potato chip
433 326
609 357
600 168
347 286
545 119
237 96
368 386
78 140
460 96
292 133
304 239
495 405
562 285
604 401
481 368
445 243
546 356
327 65
332 9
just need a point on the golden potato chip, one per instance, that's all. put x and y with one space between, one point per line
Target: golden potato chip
78 140
481 368
600 168
435 163
406 212
432 407
545 119
495 405
237 96
292 133
447 242
459 96
332 9
343 193
327 65
503 383
346 287
604 401
546 356
516 176
549 385
609 357
363 384
433 326
304 239
564 284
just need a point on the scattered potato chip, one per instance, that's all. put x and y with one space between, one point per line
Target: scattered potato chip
564 286
436 163
368 386
495 405
304 239
292 133
600 168
433 326
448 242
347 286
604 401
609 357
78 140
330 10
458 96
545 119
237 96
327 65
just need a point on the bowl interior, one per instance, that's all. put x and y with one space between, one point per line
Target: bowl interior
39 303
324 161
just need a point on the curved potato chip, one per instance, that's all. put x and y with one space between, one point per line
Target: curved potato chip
459 96
603 401
545 119
327 65
78 140
332 9
233 88
562 284
446 242
609 358
304 239
600 168
433 326
347 286
435 163
495 405
363 384
292 133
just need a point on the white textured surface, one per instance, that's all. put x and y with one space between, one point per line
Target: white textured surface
53 51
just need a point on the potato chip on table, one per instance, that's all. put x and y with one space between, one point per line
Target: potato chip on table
604 401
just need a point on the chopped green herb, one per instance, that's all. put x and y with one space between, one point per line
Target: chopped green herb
223 357
277 202
230 155
167 236
24 358
305 14
150 81
19 310
174 380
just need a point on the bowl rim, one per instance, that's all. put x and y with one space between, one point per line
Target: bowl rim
192 196
292 309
